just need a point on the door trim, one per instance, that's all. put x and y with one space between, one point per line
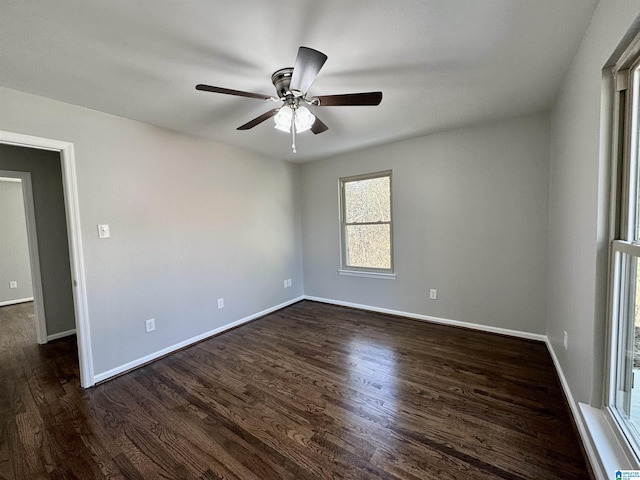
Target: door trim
76 257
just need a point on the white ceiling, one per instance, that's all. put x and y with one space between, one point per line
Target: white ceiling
439 63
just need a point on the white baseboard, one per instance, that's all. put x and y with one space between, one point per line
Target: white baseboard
589 447
604 451
55 336
165 351
581 413
14 302
427 318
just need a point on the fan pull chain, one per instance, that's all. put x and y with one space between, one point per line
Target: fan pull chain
293 131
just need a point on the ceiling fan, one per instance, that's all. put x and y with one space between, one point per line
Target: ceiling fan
292 85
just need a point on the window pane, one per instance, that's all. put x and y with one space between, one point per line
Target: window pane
634 229
627 400
368 246
368 200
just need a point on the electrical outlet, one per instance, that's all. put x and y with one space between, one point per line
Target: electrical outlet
104 231
433 294
150 325
220 303
288 282
566 340
13 284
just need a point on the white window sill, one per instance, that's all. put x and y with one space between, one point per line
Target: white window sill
358 273
609 453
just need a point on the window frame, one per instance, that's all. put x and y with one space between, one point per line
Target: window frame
624 244
385 273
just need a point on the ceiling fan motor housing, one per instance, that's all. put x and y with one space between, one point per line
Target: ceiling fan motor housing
281 79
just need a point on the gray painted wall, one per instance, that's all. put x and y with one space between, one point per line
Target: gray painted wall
51 226
470 219
578 206
14 247
191 221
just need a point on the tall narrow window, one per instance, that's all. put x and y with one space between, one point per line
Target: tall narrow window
366 224
624 372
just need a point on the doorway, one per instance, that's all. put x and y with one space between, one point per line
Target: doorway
65 155
21 244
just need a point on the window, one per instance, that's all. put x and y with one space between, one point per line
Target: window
366 233
623 392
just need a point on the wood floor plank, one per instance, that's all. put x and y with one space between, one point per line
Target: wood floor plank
313 391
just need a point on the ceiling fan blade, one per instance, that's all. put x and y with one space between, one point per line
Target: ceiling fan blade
308 65
318 126
228 91
367 98
258 120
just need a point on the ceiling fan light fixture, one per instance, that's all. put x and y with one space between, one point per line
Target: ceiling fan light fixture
304 119
283 118
292 87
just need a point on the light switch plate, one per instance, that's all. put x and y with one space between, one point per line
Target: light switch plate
103 231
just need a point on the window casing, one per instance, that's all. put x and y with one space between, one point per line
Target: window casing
366 229
623 383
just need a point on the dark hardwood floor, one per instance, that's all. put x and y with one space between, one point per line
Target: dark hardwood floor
311 391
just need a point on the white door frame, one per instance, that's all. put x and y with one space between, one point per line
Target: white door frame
34 256
76 257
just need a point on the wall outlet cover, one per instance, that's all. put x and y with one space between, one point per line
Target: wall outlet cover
150 325
104 231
